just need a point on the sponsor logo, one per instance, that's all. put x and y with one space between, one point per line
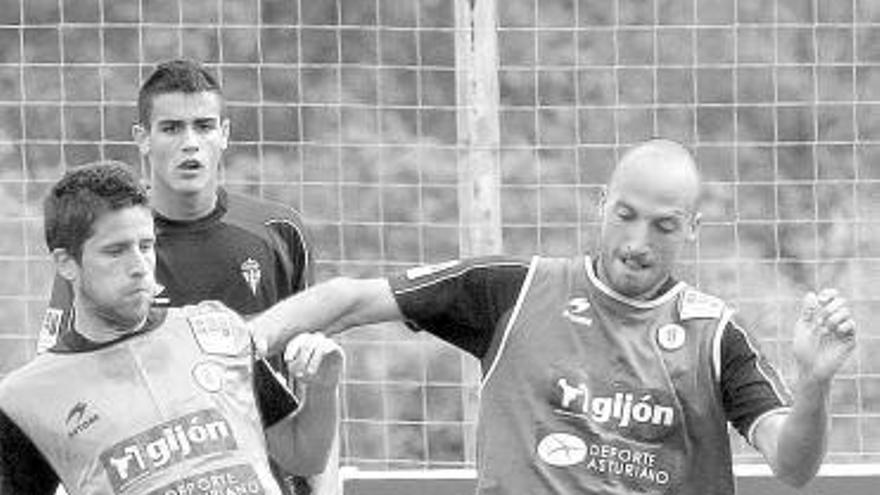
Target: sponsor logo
250 270
671 337
562 449
49 329
52 321
80 418
621 410
195 435
695 304
577 311
239 480
641 469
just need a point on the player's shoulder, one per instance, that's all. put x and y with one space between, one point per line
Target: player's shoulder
210 311
572 263
268 220
696 304
471 272
24 379
249 208
464 266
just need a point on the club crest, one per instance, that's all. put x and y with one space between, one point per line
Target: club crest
250 270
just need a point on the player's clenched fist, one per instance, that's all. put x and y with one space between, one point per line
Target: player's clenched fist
824 335
314 359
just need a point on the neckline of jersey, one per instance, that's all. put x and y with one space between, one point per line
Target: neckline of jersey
669 292
205 222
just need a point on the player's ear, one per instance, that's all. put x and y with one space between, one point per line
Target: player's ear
66 265
224 133
141 136
694 226
603 198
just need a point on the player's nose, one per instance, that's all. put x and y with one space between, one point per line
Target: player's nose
637 239
189 138
140 263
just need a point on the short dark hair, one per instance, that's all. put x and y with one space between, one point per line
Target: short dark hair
175 76
79 198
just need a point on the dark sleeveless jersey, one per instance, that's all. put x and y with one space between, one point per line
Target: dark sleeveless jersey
587 391
170 409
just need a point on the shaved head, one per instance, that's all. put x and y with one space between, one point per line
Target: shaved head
648 214
660 167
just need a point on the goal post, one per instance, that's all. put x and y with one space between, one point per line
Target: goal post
476 51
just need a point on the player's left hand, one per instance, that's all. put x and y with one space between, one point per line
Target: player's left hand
824 335
314 359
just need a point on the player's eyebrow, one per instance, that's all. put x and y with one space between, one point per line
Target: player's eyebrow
677 213
169 120
197 120
117 244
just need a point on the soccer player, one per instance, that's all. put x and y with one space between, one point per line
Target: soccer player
142 400
605 374
211 244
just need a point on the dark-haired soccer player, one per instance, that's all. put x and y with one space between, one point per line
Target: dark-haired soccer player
605 374
141 400
211 244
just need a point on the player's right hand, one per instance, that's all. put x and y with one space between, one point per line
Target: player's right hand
314 359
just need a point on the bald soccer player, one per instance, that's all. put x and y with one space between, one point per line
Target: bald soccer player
605 374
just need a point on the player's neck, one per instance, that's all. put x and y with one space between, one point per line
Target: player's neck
177 206
650 294
100 329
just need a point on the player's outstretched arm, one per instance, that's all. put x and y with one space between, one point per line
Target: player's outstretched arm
302 442
329 307
824 337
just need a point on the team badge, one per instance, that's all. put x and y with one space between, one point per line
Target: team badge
670 337
250 270
218 332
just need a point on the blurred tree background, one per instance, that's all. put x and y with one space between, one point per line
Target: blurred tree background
348 111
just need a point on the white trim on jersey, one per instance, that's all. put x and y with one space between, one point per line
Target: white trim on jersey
524 289
307 254
716 342
617 296
750 435
775 384
456 271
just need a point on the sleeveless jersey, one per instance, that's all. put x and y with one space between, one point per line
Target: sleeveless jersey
610 395
167 411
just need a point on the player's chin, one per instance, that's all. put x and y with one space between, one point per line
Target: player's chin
136 309
634 283
192 185
128 319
